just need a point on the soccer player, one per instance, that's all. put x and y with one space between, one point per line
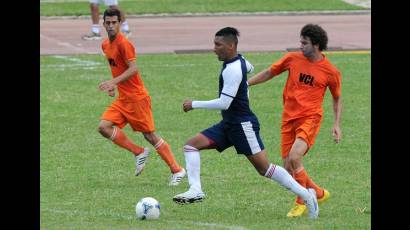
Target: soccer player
239 126
309 75
95 18
133 105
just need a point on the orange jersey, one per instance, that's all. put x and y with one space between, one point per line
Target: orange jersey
306 84
118 53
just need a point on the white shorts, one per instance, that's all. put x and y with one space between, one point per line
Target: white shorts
106 2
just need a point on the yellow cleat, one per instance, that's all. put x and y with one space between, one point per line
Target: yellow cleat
300 209
326 195
297 210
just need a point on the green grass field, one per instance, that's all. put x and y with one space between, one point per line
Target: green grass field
77 7
86 182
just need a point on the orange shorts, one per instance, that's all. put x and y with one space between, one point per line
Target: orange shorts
138 114
306 128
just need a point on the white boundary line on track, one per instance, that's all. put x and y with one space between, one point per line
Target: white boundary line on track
81 50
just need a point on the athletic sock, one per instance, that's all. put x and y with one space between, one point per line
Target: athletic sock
302 177
119 138
193 167
280 175
320 192
95 28
124 26
164 150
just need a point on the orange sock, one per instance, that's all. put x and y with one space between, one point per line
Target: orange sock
300 177
303 179
164 150
119 138
319 191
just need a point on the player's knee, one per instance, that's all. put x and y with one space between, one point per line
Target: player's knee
289 168
188 148
294 158
151 137
103 130
261 172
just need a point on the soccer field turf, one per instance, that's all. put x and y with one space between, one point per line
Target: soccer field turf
86 182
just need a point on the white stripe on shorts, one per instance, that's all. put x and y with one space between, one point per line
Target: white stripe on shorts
251 137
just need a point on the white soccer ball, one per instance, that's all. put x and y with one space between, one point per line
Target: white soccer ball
147 208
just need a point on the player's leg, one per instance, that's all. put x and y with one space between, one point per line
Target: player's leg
110 126
281 176
124 23
164 150
303 133
294 161
288 137
108 130
95 17
246 139
275 172
213 137
311 128
193 167
139 115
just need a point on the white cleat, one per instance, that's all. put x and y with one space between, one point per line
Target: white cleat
140 161
312 204
189 197
176 178
92 36
127 33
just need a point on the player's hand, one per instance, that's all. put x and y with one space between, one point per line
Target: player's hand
111 92
107 86
187 105
337 134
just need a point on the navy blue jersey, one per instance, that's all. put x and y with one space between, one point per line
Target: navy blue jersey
234 72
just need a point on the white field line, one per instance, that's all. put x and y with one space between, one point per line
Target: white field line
87 64
64 67
73 213
77 63
78 60
213 225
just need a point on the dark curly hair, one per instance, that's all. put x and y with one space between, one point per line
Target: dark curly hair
317 35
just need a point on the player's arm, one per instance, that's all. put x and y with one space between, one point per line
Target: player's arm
261 77
221 103
232 80
129 72
337 110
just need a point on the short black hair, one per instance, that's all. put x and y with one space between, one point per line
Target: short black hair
229 33
110 12
316 34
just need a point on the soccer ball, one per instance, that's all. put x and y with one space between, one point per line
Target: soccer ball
147 208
